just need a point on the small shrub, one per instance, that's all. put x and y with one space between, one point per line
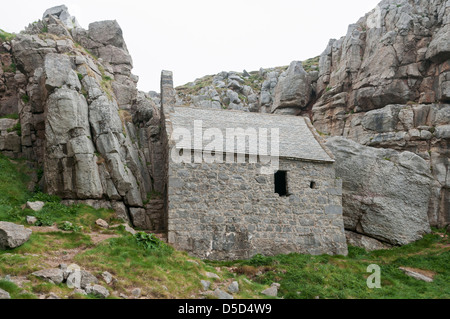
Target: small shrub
12 68
80 76
66 226
260 260
14 213
149 241
17 128
13 116
41 197
25 98
5 36
43 219
106 78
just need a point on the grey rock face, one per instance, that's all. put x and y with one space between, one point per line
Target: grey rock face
107 277
67 124
59 72
74 280
98 291
136 292
293 89
31 220
102 223
87 279
85 122
35 206
233 288
385 193
212 275
271 292
416 275
205 284
105 33
62 13
369 244
392 61
220 294
52 275
12 235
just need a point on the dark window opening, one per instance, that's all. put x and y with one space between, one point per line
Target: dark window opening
312 185
281 183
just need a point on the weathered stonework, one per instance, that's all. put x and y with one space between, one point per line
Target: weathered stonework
230 211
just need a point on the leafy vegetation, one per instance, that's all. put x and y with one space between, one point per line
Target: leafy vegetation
311 64
12 68
149 241
13 116
25 98
16 128
5 36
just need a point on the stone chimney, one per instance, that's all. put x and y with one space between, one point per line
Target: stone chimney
167 92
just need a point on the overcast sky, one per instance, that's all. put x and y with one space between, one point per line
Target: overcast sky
194 38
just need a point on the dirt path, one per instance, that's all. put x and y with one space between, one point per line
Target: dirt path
66 256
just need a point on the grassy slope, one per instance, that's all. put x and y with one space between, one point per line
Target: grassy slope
166 273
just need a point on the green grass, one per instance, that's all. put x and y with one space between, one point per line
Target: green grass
16 128
150 269
15 291
12 68
14 177
25 98
311 64
31 256
339 277
13 116
5 36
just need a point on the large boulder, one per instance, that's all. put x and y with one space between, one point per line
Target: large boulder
62 13
12 235
52 275
293 90
107 33
385 193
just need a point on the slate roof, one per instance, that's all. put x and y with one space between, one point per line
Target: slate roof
297 137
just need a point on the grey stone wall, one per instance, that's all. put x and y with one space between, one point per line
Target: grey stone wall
230 211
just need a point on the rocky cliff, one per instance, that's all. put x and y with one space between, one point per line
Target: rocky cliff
385 85
70 104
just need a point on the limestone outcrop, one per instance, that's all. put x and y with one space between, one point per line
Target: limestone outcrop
293 90
385 84
385 193
82 119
